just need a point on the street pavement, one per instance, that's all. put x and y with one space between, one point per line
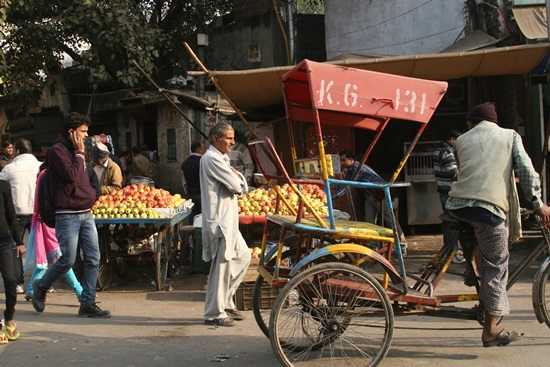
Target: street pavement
152 328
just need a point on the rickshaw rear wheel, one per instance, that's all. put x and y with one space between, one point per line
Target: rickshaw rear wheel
331 313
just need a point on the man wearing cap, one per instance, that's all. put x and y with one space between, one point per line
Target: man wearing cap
108 172
484 196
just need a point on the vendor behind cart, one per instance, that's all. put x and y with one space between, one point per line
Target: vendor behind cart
107 171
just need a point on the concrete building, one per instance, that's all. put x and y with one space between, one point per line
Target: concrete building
393 27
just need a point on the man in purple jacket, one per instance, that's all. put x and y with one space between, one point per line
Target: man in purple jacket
73 196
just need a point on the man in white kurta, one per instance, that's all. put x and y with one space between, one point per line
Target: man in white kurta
223 244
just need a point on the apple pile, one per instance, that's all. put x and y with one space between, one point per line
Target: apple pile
135 201
263 201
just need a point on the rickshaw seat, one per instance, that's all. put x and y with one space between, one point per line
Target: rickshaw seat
343 228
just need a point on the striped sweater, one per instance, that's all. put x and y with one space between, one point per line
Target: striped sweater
445 167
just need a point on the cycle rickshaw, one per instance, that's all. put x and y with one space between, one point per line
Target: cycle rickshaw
337 295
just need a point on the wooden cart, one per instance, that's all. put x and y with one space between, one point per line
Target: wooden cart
163 247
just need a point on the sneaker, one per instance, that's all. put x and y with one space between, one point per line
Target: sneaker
458 259
93 311
19 289
38 297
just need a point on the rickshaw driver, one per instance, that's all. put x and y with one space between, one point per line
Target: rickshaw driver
483 196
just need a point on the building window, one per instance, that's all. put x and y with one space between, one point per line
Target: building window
172 154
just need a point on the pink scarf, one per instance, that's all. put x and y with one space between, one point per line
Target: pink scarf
42 240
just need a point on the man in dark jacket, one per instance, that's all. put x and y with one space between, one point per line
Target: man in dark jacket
190 176
7 154
73 196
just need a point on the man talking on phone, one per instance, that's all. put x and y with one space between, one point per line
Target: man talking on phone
72 197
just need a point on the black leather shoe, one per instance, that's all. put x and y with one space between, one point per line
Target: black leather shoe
38 297
93 311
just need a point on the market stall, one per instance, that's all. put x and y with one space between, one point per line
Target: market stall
161 244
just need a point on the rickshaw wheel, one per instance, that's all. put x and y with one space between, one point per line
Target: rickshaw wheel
262 313
331 313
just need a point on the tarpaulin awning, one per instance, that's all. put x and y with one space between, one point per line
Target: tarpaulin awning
475 41
532 21
258 88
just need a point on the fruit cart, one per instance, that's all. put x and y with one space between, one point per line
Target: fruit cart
161 245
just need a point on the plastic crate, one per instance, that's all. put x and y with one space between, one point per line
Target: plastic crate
243 296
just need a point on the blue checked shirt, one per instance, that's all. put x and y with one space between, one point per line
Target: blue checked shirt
366 174
529 182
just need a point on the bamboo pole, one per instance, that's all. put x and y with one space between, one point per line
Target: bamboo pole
162 91
220 89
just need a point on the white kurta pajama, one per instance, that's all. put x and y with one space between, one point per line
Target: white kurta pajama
222 241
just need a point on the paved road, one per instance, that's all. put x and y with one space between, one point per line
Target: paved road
151 328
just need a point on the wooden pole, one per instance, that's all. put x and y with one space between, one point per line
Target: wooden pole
220 89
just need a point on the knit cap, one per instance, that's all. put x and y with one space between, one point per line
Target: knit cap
100 150
485 111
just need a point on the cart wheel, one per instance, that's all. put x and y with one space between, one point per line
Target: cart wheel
106 265
163 258
328 313
105 274
260 311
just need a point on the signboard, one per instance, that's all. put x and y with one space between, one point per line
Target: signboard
348 94
254 52
528 2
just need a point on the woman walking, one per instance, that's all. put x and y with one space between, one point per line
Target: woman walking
9 232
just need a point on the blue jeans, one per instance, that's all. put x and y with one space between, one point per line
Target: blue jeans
74 231
449 236
69 276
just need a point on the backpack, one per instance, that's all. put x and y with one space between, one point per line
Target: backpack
45 201
46 208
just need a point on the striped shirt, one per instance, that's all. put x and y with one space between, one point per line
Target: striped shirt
445 168
529 182
366 174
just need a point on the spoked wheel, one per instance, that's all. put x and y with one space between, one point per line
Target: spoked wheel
106 265
261 312
163 257
105 274
288 259
331 314
543 295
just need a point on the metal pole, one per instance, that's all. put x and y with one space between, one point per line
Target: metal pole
291 39
548 17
